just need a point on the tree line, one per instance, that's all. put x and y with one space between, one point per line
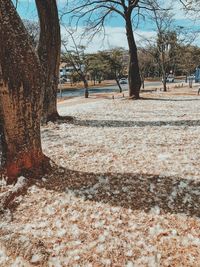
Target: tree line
180 59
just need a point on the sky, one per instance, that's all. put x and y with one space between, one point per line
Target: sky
115 35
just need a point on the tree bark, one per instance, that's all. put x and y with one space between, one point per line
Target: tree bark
119 85
134 72
86 87
49 53
163 71
21 95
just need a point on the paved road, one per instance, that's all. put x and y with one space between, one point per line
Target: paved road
108 89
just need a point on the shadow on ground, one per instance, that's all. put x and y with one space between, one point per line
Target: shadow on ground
128 190
171 99
118 123
138 192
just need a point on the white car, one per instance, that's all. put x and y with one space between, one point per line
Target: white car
169 78
123 81
191 77
62 80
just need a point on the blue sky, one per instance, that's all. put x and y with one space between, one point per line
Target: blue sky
115 27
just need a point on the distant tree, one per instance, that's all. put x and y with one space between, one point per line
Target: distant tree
114 63
33 29
163 20
96 66
191 6
21 96
148 62
181 57
77 58
188 59
96 13
74 77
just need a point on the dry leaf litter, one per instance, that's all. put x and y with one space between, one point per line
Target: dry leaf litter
125 190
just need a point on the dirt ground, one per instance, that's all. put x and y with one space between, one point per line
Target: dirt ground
124 188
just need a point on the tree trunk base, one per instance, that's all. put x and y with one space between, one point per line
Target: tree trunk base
118 84
86 92
31 164
134 97
56 117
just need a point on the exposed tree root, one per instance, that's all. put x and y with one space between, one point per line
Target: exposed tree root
134 97
20 188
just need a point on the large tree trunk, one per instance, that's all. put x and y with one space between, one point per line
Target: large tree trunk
134 72
21 95
49 53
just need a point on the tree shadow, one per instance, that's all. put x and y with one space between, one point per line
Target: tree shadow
132 191
170 100
118 123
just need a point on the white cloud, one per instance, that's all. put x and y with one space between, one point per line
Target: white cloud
113 37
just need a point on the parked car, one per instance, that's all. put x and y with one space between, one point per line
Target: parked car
169 78
191 77
63 80
123 81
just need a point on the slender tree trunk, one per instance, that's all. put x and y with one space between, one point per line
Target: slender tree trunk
119 85
142 83
164 83
86 87
134 72
142 80
163 71
49 53
21 95
117 81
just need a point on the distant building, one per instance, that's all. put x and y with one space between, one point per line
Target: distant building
65 70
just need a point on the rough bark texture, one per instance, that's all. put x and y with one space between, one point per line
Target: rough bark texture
134 72
21 95
49 54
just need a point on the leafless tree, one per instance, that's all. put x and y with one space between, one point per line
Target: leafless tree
191 5
96 13
76 57
33 29
163 20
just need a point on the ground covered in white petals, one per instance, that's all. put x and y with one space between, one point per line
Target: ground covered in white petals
124 188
